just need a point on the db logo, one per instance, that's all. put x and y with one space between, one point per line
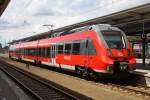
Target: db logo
120 54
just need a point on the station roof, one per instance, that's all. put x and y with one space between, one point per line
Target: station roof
130 20
3 5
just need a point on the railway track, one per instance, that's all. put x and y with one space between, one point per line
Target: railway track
128 86
38 88
138 90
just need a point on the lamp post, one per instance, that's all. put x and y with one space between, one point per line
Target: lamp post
143 36
49 26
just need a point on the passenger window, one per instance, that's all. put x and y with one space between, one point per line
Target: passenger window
60 49
76 48
36 52
39 51
83 47
67 49
48 52
43 52
91 48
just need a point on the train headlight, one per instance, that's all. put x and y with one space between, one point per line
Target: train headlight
110 68
109 52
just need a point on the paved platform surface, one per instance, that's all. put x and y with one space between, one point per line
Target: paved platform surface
143 69
9 90
6 92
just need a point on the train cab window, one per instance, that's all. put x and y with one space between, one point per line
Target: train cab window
114 39
60 49
67 49
76 48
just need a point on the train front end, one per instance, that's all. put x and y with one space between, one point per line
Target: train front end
118 54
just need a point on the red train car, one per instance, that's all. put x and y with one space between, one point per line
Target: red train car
99 49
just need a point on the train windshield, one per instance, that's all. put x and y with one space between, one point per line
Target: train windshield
114 39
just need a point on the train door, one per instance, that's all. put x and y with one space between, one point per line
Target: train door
87 53
53 54
90 50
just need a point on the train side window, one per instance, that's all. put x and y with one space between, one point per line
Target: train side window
60 49
83 47
36 52
91 47
21 51
29 53
39 52
67 49
32 52
76 48
24 52
56 46
48 52
43 52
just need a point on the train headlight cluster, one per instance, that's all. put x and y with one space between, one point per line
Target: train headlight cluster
109 52
110 68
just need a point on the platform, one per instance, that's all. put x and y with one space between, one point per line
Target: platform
142 72
140 68
9 90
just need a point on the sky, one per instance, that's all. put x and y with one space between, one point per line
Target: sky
23 18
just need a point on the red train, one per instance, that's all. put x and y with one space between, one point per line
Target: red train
100 49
